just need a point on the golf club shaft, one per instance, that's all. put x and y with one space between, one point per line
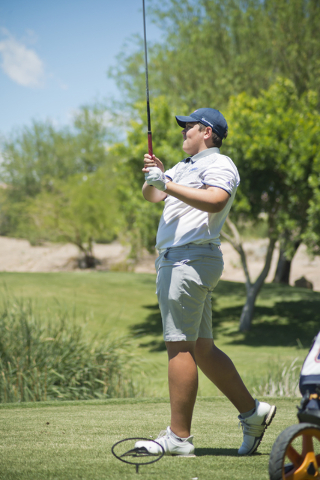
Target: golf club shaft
150 151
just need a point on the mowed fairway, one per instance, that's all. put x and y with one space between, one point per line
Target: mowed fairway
286 319
73 440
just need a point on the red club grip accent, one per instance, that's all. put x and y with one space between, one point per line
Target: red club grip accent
150 144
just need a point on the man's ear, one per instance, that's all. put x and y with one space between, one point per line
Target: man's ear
208 137
208 133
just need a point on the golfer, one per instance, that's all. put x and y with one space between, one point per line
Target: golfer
198 193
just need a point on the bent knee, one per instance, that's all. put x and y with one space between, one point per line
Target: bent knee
204 347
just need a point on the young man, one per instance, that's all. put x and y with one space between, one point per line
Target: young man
198 194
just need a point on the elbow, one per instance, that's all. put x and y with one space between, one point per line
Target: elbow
217 207
217 200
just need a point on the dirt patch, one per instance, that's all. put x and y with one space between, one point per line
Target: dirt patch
302 265
18 255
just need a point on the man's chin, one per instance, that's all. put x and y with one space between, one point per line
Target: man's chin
185 148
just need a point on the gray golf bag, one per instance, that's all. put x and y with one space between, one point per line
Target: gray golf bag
309 384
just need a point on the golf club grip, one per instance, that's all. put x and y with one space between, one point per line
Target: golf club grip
150 144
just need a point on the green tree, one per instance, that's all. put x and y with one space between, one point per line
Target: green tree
32 157
212 49
274 142
81 210
36 157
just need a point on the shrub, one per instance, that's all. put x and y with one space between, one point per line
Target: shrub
46 360
282 380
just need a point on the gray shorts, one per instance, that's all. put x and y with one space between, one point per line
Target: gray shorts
186 277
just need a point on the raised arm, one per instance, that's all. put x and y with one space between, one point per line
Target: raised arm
208 199
152 194
149 192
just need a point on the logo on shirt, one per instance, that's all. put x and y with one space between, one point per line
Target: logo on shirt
192 169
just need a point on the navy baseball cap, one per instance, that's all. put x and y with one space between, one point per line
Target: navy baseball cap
208 117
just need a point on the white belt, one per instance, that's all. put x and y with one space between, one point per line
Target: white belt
161 250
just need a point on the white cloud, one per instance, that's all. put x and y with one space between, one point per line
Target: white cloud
20 63
62 85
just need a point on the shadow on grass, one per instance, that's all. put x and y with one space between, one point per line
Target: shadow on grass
152 326
290 331
284 324
283 316
222 452
217 452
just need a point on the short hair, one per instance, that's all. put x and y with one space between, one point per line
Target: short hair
216 140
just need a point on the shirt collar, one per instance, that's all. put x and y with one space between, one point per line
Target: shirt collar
202 154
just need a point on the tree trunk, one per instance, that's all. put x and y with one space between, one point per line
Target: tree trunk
235 241
90 261
253 289
282 274
283 269
248 309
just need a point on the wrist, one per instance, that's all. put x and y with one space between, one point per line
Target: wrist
167 183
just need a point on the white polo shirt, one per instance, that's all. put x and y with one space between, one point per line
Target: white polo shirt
180 223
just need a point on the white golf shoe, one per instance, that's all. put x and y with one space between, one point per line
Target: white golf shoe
254 427
171 445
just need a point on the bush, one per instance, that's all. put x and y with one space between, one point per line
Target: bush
282 380
42 360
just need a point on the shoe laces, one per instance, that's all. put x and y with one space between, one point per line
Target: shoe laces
251 429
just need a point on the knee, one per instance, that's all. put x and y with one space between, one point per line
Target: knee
203 348
176 348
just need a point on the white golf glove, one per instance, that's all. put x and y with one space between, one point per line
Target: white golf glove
156 178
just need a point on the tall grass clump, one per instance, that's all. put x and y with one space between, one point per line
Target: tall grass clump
52 358
281 380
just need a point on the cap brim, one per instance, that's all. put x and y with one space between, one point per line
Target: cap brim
183 120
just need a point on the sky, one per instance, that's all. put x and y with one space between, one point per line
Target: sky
54 56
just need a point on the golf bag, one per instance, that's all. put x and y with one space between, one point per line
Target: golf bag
293 453
309 384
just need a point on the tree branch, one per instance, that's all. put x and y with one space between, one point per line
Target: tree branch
235 241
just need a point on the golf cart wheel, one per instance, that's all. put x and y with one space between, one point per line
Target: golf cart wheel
295 454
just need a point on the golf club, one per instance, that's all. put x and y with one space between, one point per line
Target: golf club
150 151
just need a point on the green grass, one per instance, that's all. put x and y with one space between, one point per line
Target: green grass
112 300
73 440
286 319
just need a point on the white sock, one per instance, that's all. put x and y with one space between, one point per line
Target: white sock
249 413
176 437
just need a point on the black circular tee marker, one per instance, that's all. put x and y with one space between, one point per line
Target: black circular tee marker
126 452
